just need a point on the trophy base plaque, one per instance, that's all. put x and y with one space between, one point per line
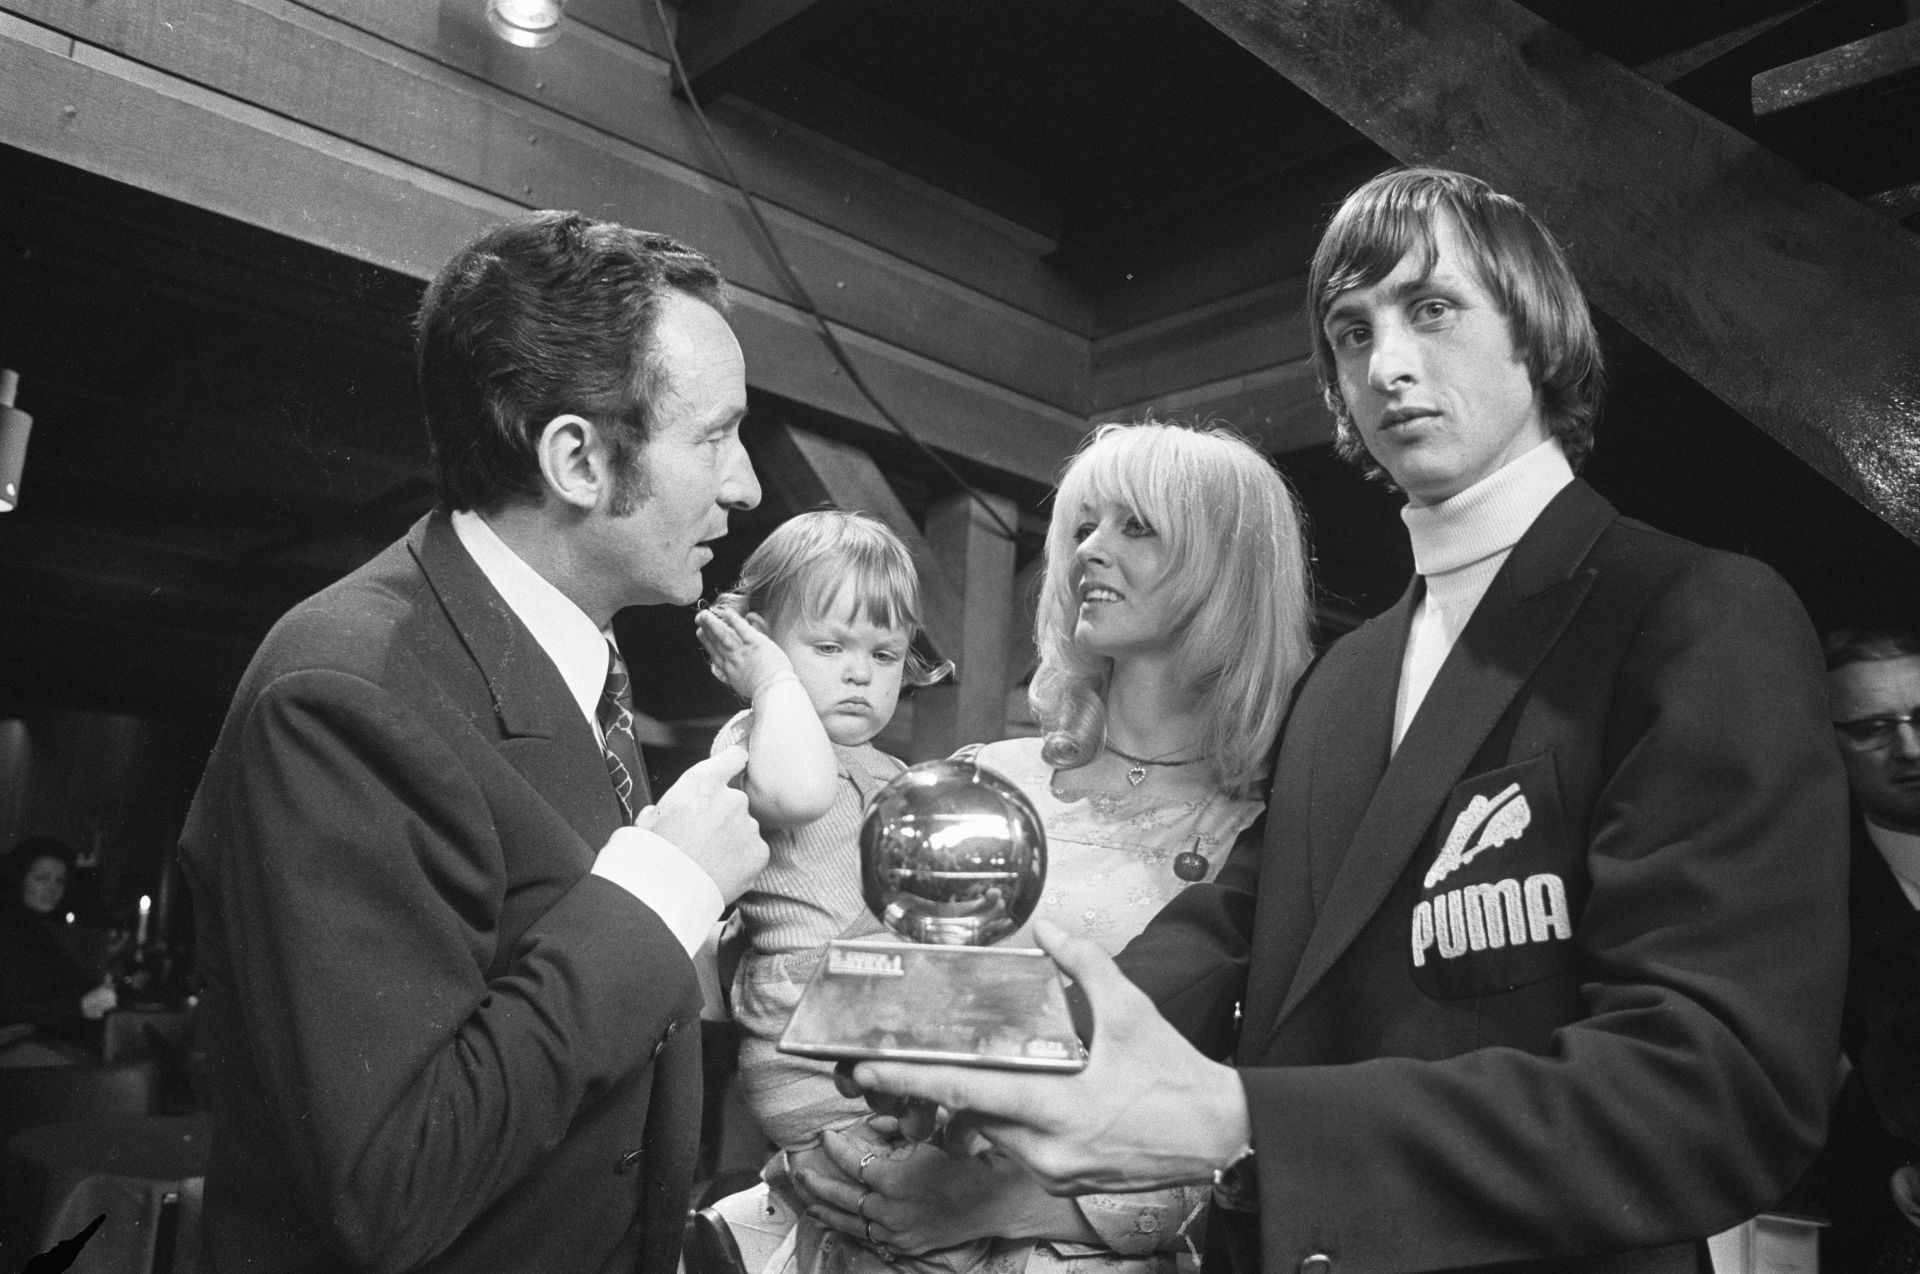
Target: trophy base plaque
962 1006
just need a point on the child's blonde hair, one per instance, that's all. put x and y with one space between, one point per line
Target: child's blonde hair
800 568
1237 568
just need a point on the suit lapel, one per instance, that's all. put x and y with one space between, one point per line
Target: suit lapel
544 735
1526 608
1321 790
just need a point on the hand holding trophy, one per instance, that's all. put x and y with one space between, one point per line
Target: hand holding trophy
952 859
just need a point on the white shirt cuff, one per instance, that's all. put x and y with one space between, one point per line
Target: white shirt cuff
652 869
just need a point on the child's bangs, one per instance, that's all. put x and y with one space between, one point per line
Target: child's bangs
879 592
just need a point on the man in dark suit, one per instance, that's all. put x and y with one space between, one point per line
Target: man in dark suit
1541 960
445 931
1873 681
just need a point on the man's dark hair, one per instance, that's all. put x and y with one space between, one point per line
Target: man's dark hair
1517 261
1869 645
546 315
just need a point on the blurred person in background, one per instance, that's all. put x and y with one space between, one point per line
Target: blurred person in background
51 1001
1873 688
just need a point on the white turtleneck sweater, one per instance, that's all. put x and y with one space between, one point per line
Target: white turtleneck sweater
1459 545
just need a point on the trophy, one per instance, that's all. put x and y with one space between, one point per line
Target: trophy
952 859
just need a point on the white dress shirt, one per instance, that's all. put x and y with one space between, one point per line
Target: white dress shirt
1459 545
644 863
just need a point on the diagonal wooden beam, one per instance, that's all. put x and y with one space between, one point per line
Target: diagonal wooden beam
725 42
1792 303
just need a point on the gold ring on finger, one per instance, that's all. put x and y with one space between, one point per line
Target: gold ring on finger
861 1171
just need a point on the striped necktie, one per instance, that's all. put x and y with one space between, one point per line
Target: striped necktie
617 743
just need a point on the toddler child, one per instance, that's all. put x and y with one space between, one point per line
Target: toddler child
817 636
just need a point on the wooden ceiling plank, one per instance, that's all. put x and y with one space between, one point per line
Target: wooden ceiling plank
633 21
724 42
1792 303
1860 65
617 89
1246 332
810 471
241 162
1280 407
1242 244
958 414
448 127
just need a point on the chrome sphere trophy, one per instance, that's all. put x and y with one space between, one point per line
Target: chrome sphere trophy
952 859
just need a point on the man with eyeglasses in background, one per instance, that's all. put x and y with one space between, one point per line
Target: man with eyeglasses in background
1873 684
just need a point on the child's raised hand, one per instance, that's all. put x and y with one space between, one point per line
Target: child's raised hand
742 655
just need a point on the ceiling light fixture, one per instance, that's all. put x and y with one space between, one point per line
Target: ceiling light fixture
531 24
14 427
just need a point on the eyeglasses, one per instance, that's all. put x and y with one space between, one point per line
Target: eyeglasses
1874 734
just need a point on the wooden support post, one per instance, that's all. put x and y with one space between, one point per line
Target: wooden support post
974 552
1792 303
1022 655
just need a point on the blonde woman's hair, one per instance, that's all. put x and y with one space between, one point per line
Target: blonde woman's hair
1238 568
800 569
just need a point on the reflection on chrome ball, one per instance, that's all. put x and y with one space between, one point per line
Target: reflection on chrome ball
952 853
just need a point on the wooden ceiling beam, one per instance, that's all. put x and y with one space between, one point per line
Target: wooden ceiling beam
1898 204
1858 67
725 42
1682 62
1792 303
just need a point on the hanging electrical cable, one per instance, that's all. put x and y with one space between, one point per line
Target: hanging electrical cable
799 290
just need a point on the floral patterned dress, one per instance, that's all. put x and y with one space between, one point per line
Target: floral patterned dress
1110 855
1110 869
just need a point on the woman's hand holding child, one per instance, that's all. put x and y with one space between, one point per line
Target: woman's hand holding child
919 1196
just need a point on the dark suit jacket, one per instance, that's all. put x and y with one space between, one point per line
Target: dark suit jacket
438 1043
1847 1184
1883 990
1601 1023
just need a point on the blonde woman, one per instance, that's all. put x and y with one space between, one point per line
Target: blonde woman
1172 623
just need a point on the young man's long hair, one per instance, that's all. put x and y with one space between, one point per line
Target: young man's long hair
1517 261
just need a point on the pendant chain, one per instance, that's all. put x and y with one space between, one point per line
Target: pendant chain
1137 773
